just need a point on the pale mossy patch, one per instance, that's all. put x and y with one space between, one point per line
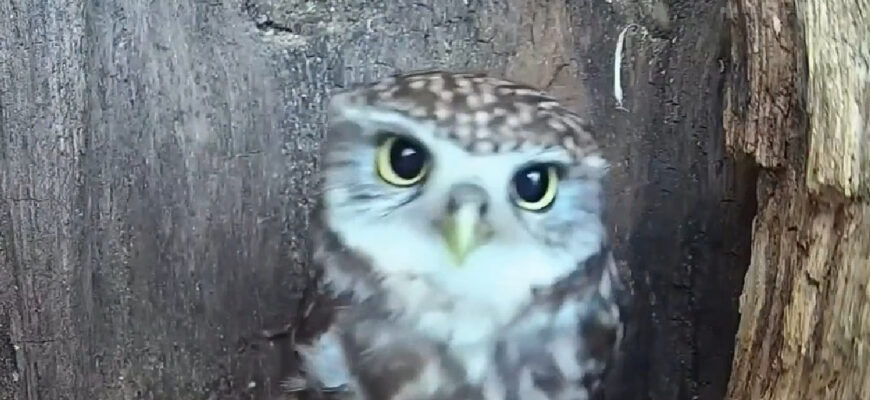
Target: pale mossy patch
837 36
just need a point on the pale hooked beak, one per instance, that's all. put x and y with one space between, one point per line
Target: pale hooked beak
464 227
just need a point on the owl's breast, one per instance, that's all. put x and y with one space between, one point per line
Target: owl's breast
471 303
467 322
443 314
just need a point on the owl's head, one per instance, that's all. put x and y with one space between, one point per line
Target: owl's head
478 183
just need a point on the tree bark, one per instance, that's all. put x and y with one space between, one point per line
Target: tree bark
156 160
799 107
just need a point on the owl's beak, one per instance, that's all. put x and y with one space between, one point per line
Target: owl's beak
464 227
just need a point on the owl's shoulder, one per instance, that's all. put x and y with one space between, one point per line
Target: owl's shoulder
340 270
568 336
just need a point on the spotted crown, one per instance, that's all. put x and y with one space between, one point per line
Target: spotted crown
483 113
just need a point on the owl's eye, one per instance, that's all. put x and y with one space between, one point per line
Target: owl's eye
535 186
401 161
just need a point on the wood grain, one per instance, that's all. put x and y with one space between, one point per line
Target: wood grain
157 158
805 309
837 37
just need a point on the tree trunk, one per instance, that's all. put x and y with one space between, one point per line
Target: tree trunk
156 160
799 106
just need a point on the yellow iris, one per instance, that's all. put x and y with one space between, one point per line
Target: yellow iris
401 162
530 195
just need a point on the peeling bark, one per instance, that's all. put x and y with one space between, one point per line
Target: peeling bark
805 309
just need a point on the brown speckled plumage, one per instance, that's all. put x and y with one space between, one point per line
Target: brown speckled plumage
559 328
483 113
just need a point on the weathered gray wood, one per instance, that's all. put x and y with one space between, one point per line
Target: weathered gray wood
156 161
805 307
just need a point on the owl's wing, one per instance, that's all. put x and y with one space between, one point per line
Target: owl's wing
339 280
389 361
562 345
317 341
364 355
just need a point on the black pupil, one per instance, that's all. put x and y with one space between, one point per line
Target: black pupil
407 159
531 183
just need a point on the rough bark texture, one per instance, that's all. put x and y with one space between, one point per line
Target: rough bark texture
156 160
799 105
